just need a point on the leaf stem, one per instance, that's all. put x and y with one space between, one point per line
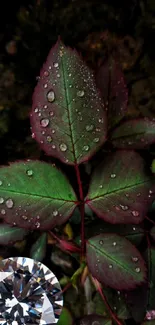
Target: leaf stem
99 289
81 210
150 220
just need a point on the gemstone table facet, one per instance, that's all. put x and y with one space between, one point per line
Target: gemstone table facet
29 293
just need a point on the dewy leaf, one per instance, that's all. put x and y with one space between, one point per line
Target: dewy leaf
38 250
95 319
134 134
137 302
150 257
115 262
9 234
110 81
121 190
68 117
35 195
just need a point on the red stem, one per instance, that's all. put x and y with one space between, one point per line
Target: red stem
113 315
81 210
150 220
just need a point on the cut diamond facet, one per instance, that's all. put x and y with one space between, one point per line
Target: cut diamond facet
29 293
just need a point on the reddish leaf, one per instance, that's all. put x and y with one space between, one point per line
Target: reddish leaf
137 302
35 195
121 190
68 118
110 81
9 235
135 134
115 262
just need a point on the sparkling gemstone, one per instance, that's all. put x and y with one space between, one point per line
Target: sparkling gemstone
29 293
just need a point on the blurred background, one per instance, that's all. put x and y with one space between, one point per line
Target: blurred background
28 29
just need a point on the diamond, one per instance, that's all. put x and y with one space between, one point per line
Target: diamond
29 293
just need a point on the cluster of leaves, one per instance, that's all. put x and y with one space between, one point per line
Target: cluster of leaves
74 113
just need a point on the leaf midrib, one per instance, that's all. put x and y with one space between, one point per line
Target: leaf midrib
119 190
112 259
37 195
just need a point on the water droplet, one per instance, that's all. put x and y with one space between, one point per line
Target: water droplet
135 213
115 308
100 186
134 259
44 122
63 147
134 228
55 213
1 200
33 135
70 74
46 73
124 207
29 172
3 211
58 75
86 148
101 120
137 269
101 242
53 146
9 203
89 127
36 110
51 96
114 243
24 217
96 140
53 131
37 224
55 64
80 93
113 175
51 113
45 106
49 139
45 86
1 183
150 191
110 266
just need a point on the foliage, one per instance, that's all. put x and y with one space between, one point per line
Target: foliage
74 112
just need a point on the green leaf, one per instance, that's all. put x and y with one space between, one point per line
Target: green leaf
9 235
150 258
38 250
121 190
68 117
65 317
35 195
134 134
115 262
136 301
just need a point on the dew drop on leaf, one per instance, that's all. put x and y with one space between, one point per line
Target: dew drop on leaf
101 242
55 213
49 139
1 200
113 175
44 122
51 96
86 148
24 217
96 140
37 224
135 213
9 203
137 269
89 127
124 207
110 266
134 259
80 93
46 73
63 147
55 64
3 211
114 243
29 172
36 110
45 86
1 183
100 186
